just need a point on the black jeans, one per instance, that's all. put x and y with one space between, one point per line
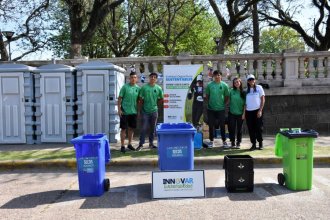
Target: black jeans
235 124
197 112
216 119
255 126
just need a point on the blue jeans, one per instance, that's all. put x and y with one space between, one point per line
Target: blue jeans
148 121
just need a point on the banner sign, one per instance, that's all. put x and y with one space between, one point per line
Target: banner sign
177 81
178 184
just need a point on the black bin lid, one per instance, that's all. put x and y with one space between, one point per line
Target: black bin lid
304 133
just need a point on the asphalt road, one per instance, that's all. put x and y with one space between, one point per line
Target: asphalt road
54 194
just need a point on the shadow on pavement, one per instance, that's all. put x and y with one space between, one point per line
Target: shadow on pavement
41 198
261 192
120 197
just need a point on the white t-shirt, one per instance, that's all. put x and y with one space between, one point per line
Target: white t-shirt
253 98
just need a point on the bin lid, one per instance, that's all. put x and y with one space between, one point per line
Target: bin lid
175 128
304 133
89 138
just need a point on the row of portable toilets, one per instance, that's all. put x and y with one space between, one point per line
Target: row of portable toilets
55 103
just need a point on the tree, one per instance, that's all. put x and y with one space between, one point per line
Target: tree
178 17
275 40
256 33
285 16
127 24
30 25
85 17
237 11
197 40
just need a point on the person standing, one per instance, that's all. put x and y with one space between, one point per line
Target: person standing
127 110
151 95
255 101
217 93
236 113
196 93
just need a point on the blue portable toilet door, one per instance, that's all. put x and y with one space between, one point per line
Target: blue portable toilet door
12 119
95 86
52 103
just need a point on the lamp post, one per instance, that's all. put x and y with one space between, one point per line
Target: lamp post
217 42
8 35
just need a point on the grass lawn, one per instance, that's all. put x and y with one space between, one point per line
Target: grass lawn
145 153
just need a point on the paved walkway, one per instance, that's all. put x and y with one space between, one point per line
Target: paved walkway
269 141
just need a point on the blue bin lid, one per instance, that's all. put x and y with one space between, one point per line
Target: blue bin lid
89 138
175 128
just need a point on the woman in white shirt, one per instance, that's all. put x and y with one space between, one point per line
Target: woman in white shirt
255 101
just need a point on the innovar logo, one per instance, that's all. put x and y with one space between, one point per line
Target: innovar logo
178 181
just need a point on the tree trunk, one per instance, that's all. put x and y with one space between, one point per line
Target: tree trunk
256 32
4 53
224 39
76 35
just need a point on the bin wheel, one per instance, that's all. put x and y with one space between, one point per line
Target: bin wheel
106 184
281 179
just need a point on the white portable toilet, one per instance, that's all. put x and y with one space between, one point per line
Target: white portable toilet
54 92
16 104
98 87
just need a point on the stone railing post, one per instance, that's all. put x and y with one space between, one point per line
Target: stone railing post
291 69
184 59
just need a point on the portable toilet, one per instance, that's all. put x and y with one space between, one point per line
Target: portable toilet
98 87
16 104
54 88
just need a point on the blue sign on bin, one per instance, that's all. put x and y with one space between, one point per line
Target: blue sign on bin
92 153
175 146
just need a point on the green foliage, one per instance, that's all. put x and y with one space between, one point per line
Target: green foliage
197 40
275 40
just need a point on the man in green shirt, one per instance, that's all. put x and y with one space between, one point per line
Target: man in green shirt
151 95
217 93
127 110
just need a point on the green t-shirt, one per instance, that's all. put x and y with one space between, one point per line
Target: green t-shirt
150 95
129 96
217 93
237 103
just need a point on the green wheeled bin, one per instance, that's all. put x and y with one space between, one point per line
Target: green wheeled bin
296 149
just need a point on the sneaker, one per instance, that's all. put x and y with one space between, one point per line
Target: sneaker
130 147
122 149
225 145
233 145
253 147
139 147
152 146
210 144
238 145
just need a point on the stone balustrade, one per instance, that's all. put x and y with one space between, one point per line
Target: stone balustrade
288 69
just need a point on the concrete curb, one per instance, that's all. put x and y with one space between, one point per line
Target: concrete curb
153 162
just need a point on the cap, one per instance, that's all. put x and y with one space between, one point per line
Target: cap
250 77
153 74
199 78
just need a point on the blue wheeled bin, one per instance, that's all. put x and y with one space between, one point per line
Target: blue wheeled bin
175 146
92 154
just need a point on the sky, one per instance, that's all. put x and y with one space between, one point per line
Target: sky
305 18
